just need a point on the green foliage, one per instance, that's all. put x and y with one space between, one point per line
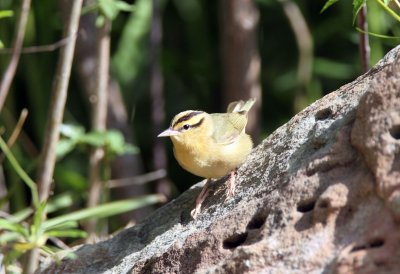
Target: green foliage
328 4
357 5
18 235
132 48
5 14
107 9
191 67
111 140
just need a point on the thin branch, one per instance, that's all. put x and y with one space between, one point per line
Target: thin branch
137 180
364 39
397 3
99 121
58 100
305 46
16 131
9 121
16 53
44 48
56 113
14 136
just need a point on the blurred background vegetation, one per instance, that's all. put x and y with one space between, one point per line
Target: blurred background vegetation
167 56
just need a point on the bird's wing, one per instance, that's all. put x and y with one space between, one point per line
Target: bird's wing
241 106
228 126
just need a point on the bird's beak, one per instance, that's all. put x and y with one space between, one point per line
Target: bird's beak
168 132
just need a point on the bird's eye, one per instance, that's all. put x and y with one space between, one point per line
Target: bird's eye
186 127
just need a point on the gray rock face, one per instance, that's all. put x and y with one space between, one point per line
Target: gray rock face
319 195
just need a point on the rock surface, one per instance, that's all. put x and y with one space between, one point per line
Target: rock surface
319 195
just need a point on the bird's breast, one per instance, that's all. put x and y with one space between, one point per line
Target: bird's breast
211 160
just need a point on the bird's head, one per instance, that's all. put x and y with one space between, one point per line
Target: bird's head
188 126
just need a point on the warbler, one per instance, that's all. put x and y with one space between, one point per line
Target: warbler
211 145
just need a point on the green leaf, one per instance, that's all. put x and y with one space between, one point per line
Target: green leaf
7 237
105 210
65 225
64 146
115 142
89 8
328 4
6 13
72 131
13 227
60 201
388 10
108 8
94 138
123 6
100 19
130 149
71 179
1 45
72 233
21 215
357 5
132 50
21 172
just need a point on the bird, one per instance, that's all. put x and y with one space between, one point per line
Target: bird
211 145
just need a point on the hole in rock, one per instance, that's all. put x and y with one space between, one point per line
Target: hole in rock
235 241
323 114
257 221
374 243
306 206
395 132
379 263
324 203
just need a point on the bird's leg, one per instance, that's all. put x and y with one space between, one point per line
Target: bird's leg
199 200
231 185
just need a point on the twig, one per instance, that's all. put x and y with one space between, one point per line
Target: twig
364 39
397 3
99 121
56 112
305 47
59 243
37 49
9 121
16 53
16 131
137 180
58 100
10 143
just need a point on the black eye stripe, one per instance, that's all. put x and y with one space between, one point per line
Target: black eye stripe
187 117
192 126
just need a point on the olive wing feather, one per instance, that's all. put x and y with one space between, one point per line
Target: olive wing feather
228 126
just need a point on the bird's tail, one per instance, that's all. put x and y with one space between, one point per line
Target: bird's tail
241 106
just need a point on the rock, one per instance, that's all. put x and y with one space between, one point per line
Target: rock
319 195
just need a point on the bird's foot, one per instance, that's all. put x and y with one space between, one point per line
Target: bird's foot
231 185
199 200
